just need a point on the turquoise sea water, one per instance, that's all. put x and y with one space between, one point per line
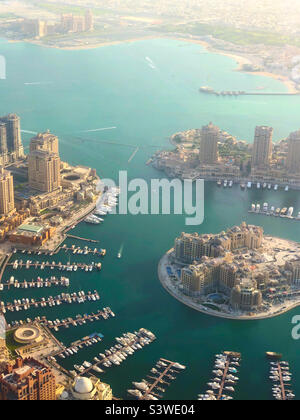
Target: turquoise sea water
114 86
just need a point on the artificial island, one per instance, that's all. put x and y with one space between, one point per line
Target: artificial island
237 274
213 154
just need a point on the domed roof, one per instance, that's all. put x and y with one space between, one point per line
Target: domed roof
83 386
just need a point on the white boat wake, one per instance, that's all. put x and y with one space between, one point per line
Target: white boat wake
37 83
99 129
151 63
28 132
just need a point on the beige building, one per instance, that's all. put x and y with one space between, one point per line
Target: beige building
293 271
45 141
209 144
7 201
192 247
44 171
262 147
87 389
293 157
245 296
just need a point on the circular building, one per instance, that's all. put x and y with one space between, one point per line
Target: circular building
28 335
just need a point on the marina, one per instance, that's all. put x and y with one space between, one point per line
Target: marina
38 283
63 298
267 210
78 345
281 377
19 264
73 249
225 372
249 185
80 320
127 345
139 280
153 387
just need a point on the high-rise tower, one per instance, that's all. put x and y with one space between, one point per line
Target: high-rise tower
262 147
293 157
209 144
7 200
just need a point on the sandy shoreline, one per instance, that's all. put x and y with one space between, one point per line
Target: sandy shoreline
239 59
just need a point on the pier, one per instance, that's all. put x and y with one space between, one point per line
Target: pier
4 265
236 93
105 314
73 349
225 366
39 283
94 241
19 264
26 304
281 377
128 344
160 379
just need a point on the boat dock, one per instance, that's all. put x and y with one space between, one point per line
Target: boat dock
226 365
165 369
94 241
26 304
19 264
127 345
281 377
39 283
73 249
4 265
266 210
105 313
74 347
84 251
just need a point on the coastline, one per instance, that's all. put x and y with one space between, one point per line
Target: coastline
185 300
240 60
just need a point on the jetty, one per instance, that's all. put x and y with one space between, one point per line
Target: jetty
78 345
4 265
94 241
165 369
127 345
104 314
236 93
25 303
281 377
19 264
39 283
226 369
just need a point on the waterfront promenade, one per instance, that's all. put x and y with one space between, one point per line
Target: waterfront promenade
173 290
